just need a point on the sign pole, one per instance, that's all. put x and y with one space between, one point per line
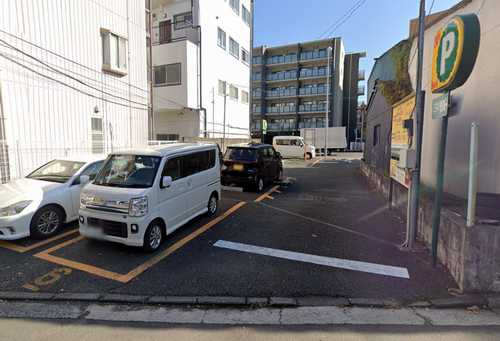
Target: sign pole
438 197
414 195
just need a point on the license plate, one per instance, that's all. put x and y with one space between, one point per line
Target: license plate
238 167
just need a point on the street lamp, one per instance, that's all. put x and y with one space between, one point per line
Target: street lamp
327 111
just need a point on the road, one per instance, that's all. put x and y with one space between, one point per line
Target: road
328 234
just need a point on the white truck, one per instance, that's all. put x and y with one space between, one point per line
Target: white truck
336 138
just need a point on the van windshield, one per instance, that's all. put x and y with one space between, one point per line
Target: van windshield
241 154
129 171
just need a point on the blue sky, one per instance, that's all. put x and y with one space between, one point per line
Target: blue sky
373 28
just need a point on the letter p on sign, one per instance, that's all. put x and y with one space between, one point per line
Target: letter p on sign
455 50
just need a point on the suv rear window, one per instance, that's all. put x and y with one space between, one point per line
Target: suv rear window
241 154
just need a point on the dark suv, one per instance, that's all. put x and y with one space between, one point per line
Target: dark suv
251 165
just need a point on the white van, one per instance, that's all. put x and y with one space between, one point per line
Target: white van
141 196
293 147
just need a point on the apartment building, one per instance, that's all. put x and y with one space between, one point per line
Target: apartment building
201 59
290 87
353 89
73 80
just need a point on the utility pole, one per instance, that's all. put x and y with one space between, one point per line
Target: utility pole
327 112
419 110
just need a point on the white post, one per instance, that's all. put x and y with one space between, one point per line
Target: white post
472 193
327 101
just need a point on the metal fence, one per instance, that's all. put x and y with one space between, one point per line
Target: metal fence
16 161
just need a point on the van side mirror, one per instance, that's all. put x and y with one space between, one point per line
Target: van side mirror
84 179
166 181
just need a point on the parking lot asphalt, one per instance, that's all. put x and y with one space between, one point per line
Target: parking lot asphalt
322 233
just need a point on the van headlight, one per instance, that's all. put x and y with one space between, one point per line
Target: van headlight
138 207
14 209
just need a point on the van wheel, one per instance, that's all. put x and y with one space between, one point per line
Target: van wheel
259 185
153 237
308 156
46 222
213 205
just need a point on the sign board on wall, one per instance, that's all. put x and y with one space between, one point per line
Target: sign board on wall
401 112
455 51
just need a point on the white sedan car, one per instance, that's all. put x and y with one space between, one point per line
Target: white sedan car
40 203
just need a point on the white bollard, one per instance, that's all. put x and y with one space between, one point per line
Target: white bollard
472 193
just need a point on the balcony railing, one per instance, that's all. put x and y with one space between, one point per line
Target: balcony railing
311 55
312 107
165 34
282 93
308 73
281 59
279 76
317 90
280 109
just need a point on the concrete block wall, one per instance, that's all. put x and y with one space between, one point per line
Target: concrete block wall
471 254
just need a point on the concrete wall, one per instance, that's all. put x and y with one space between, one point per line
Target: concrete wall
480 103
470 253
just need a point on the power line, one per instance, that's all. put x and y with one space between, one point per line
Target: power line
70 76
86 67
67 85
340 21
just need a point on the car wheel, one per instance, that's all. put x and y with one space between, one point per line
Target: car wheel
213 205
153 237
259 185
308 156
46 222
280 175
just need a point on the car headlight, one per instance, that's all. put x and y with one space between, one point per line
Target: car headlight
84 200
14 209
138 207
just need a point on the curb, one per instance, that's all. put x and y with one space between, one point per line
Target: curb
312 301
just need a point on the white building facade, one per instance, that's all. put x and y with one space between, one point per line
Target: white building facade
201 59
73 80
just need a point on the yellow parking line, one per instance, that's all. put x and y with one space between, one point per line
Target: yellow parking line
315 162
266 195
22 249
143 267
125 278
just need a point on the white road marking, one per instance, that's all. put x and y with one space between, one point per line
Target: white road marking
379 269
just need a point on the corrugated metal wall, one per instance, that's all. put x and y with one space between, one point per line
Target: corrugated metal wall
53 83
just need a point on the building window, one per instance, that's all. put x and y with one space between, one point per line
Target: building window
244 96
97 135
168 74
244 56
222 88
376 135
183 20
233 92
221 38
235 5
114 52
245 14
234 48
